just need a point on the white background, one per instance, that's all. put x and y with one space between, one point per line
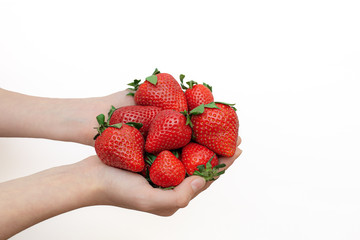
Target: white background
292 68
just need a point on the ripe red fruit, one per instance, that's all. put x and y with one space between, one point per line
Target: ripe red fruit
196 94
120 146
194 155
160 90
167 131
216 128
138 114
167 170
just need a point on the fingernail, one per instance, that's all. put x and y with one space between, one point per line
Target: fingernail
197 184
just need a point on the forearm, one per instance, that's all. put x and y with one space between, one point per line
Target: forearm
32 199
58 119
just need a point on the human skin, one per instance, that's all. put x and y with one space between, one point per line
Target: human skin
29 200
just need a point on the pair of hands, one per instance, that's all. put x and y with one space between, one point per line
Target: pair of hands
129 190
85 183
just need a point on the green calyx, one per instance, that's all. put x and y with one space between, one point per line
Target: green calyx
208 172
189 83
188 118
156 71
229 104
134 86
197 111
208 86
150 158
153 78
201 108
135 125
105 124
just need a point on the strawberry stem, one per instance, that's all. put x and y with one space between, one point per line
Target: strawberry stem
182 76
191 83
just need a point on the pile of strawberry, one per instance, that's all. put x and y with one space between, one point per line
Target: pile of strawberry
169 134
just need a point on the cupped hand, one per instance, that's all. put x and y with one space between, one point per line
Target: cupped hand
130 190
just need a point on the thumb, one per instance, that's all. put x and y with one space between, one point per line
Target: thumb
188 189
197 184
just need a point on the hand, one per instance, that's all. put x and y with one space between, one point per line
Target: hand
130 190
57 119
96 106
86 183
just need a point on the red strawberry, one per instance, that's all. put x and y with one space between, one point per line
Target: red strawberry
167 170
196 94
194 155
120 146
216 128
160 90
167 131
138 114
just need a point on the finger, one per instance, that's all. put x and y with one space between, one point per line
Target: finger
238 141
228 161
180 196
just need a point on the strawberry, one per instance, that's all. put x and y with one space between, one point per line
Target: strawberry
138 114
196 94
160 90
216 126
167 170
120 145
167 131
194 155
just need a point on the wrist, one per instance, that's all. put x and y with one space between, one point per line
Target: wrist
85 176
95 106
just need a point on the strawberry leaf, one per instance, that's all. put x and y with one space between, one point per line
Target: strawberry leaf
176 153
150 158
198 110
201 108
188 118
208 172
101 119
117 125
134 124
182 76
211 105
167 188
152 79
208 86
191 83
156 71
102 125
220 166
135 85
229 104
110 113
